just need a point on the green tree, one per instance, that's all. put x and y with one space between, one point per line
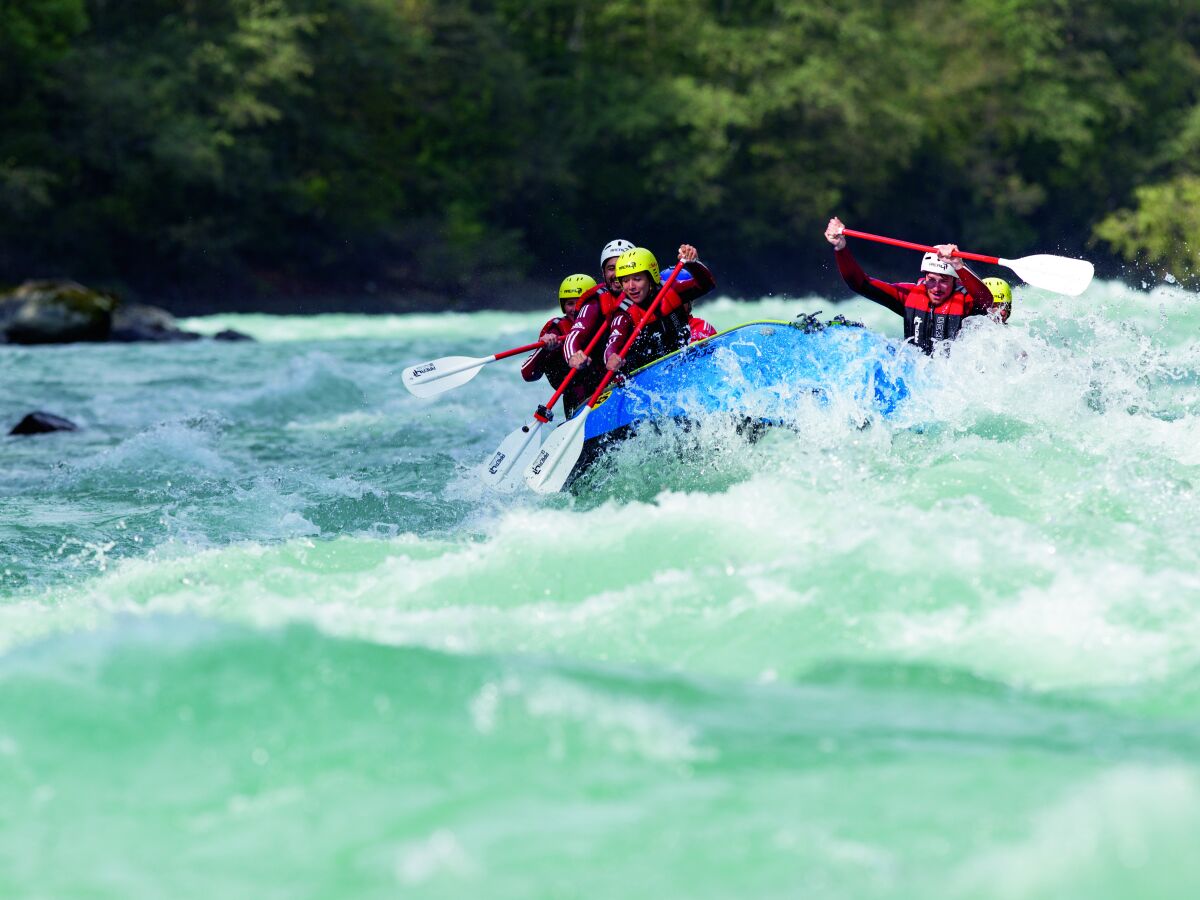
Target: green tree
1163 226
454 146
34 36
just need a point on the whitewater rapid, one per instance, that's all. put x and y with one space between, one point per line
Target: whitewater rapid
260 624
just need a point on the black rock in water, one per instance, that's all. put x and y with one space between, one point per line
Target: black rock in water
43 423
230 335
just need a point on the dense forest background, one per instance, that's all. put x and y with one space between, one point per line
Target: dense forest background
381 153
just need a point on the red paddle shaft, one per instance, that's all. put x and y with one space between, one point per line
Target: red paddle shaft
515 350
994 260
638 330
543 412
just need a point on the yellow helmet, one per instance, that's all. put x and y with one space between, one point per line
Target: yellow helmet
639 259
1001 290
572 288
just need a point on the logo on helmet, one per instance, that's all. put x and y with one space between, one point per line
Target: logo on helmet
615 247
934 264
639 259
1001 290
574 285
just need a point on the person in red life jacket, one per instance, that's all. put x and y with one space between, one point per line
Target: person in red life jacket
548 360
934 307
595 308
591 314
608 264
698 327
667 330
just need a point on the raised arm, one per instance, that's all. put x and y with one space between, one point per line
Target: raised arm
882 292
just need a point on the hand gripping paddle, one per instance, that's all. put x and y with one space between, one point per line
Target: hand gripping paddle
556 459
503 469
1060 274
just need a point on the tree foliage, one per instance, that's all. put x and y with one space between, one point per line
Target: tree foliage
450 146
1163 226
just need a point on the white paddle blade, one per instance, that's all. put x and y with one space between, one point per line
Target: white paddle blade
1060 274
556 458
432 378
504 469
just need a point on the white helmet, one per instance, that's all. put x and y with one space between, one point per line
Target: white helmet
931 262
613 248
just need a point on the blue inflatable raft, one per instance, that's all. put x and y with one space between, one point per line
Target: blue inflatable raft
755 373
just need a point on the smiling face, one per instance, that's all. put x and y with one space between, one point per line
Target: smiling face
609 273
569 307
637 286
940 287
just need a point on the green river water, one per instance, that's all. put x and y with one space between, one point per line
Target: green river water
264 634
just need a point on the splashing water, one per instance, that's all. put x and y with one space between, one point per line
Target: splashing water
263 631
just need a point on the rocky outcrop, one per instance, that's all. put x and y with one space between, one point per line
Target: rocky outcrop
56 312
139 322
43 423
63 312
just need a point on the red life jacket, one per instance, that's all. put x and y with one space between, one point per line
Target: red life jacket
661 333
925 324
610 304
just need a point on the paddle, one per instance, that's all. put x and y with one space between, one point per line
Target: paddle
432 378
515 453
557 457
1060 274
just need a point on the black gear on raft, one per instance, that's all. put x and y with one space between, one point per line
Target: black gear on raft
810 323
